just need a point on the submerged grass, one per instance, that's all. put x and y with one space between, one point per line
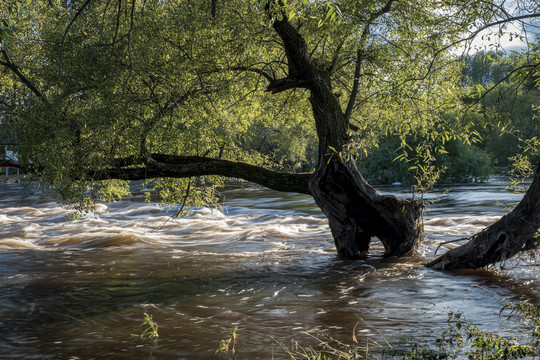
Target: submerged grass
331 349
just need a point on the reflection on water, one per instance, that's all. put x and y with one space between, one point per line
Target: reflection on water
265 264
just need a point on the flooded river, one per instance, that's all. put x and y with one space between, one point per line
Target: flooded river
265 264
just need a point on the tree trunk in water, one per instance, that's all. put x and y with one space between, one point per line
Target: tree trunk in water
356 213
515 232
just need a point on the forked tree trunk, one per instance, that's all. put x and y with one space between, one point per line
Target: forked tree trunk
356 213
515 232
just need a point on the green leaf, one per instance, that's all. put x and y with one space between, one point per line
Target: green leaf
354 339
3 35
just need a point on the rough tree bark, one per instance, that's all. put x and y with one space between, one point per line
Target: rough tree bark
517 231
356 213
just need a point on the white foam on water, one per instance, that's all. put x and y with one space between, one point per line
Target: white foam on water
143 210
130 224
245 233
100 208
458 225
16 243
206 213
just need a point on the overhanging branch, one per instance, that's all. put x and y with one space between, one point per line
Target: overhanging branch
513 233
189 166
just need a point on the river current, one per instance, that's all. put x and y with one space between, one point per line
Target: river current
265 264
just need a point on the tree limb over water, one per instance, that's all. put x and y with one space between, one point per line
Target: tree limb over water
172 166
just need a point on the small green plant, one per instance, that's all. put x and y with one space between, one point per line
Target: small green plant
151 329
464 337
328 352
422 354
227 346
332 349
529 314
461 339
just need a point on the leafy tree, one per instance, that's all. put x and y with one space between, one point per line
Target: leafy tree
107 91
485 68
506 99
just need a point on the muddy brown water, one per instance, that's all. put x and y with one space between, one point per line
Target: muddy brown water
265 264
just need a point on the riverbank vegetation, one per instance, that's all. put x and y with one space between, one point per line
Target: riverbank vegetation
460 339
292 95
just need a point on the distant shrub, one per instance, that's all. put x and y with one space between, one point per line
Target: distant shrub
379 166
463 164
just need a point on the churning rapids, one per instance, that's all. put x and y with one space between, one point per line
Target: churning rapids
265 264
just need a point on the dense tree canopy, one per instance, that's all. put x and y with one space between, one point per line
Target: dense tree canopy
102 91
120 79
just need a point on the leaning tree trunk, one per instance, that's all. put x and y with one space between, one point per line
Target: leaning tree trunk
356 213
517 231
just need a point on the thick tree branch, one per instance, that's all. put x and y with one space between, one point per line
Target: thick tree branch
515 232
300 66
160 165
189 166
15 69
280 85
332 128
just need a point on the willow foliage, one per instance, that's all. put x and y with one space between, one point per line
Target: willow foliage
104 83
